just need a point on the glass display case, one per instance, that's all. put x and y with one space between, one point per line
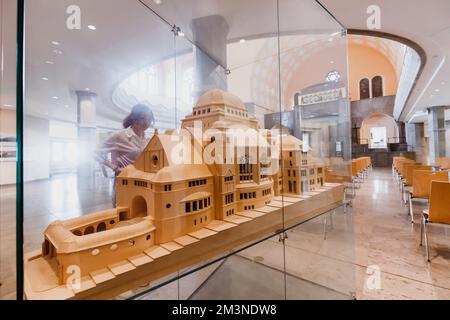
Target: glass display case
228 196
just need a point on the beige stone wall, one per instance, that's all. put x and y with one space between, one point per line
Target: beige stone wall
107 255
259 201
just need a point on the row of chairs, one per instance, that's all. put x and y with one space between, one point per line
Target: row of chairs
424 182
360 170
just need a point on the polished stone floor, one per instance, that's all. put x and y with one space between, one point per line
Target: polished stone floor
371 252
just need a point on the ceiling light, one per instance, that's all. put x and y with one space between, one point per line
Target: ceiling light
44 78
66 106
332 62
157 1
181 34
242 41
437 90
330 39
55 97
56 43
56 51
8 105
49 62
92 27
87 89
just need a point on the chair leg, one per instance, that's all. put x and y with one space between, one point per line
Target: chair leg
325 222
411 208
331 218
421 231
427 251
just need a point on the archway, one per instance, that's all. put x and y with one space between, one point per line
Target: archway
378 130
138 207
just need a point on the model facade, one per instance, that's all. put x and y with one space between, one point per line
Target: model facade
161 199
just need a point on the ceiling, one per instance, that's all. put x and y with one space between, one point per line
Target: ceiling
130 36
425 22
393 50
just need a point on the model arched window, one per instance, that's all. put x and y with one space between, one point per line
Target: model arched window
377 86
364 89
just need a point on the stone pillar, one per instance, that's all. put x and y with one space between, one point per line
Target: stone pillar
210 37
415 139
86 137
436 132
344 130
401 132
296 113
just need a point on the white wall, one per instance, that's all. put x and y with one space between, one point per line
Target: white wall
7 129
8 9
37 149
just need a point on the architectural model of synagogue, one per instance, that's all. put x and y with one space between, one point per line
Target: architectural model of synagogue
159 201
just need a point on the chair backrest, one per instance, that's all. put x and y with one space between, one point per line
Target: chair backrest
410 170
440 202
395 161
354 168
422 182
401 165
443 162
336 177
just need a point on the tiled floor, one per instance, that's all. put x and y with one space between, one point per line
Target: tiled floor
385 237
377 233
44 201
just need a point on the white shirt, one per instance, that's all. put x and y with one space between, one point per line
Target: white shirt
125 147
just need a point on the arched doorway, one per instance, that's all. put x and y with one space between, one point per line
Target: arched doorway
138 207
378 130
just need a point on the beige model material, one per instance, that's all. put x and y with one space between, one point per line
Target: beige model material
167 201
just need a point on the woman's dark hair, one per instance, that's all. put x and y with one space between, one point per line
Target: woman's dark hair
138 112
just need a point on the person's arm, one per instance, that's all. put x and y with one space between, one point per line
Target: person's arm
101 154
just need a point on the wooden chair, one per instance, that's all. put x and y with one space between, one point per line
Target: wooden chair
422 186
336 177
401 171
443 162
395 161
438 212
408 179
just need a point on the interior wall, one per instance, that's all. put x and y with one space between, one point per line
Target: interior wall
36 149
379 120
7 122
8 12
366 62
7 129
314 70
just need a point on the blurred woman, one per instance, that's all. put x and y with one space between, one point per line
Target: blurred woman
126 145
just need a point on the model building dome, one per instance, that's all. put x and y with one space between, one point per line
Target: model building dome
219 97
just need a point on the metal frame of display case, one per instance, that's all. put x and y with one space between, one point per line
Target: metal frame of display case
19 130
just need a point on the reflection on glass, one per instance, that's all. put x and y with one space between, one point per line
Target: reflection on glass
261 90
